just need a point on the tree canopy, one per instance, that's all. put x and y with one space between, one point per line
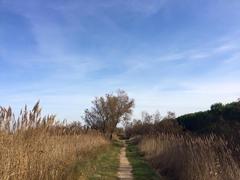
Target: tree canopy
109 110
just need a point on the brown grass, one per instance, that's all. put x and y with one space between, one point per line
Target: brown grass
35 147
191 158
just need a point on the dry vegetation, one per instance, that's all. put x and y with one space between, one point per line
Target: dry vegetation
192 158
35 147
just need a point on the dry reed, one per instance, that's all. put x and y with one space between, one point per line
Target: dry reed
35 147
191 158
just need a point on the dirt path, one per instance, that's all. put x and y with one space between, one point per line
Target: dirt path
125 168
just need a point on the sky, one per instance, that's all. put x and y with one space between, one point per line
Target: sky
169 55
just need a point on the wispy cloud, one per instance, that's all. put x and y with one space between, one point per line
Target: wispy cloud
167 55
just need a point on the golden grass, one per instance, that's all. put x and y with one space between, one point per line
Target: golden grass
191 158
32 147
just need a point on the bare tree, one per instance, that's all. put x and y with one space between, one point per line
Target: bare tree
106 112
170 115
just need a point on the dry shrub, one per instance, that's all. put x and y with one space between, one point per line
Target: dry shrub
35 147
191 158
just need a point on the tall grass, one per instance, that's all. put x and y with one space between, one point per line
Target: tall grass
191 158
36 147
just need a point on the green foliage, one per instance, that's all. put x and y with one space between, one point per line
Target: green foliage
219 119
217 108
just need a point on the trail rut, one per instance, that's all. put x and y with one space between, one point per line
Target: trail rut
125 168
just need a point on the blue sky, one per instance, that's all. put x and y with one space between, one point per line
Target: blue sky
167 54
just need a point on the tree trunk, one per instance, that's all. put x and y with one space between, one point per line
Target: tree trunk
109 135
